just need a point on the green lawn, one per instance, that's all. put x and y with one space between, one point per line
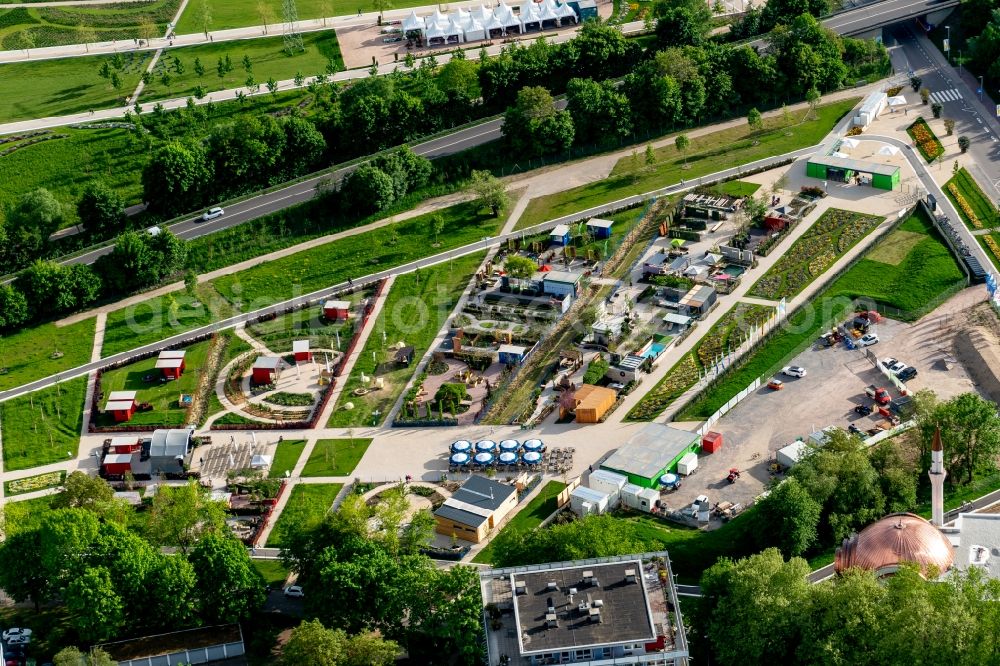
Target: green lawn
76 24
735 188
819 248
27 354
285 457
163 395
414 311
60 87
22 515
707 154
279 333
538 509
308 502
226 14
274 572
267 55
66 166
336 457
978 212
927 271
43 427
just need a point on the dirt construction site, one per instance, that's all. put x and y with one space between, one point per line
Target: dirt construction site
960 336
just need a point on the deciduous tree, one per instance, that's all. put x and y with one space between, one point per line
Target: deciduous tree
101 209
490 191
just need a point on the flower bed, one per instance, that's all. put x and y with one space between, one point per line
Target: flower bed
964 205
33 483
927 143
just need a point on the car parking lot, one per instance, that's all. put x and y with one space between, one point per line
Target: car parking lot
834 384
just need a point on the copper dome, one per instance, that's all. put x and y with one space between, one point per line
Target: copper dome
900 537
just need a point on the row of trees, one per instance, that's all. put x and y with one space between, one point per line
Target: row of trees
763 610
115 581
362 571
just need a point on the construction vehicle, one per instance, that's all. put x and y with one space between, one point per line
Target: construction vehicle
878 394
734 474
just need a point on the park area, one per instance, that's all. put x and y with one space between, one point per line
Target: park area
819 248
974 207
417 306
30 27
336 457
708 153
285 457
227 14
34 353
308 503
309 323
44 426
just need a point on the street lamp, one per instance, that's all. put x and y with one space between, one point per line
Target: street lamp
947 43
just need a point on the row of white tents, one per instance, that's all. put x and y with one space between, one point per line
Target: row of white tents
483 22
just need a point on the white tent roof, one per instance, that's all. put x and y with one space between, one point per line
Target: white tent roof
849 143
529 13
548 14
473 29
508 20
888 150
483 14
565 11
897 100
413 23
491 22
696 270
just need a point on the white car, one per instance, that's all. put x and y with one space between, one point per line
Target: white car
867 340
294 591
793 371
12 635
212 213
896 367
888 362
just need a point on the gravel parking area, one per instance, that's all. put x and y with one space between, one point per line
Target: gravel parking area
835 383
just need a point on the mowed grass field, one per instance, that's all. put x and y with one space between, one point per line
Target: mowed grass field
307 504
707 154
336 457
913 281
227 14
34 27
285 457
266 54
979 204
162 395
44 426
538 509
27 355
42 88
414 311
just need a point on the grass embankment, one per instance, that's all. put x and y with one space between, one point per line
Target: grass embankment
28 354
736 188
285 457
414 311
336 457
974 207
279 333
728 333
927 142
538 509
707 154
307 503
274 572
908 282
226 14
35 27
267 56
43 427
164 396
819 248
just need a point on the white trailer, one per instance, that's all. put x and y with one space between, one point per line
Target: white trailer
585 501
687 464
608 482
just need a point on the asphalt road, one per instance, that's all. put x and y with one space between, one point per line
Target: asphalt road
318 296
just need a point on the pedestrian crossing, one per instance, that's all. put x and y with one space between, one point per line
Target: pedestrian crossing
942 96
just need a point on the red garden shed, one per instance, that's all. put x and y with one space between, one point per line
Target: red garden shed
301 350
337 310
121 404
711 442
117 463
171 363
266 369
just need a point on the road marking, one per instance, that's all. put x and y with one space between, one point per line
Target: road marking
942 96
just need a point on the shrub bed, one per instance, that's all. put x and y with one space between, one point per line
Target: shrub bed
927 143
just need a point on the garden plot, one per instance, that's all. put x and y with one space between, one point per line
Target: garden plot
310 324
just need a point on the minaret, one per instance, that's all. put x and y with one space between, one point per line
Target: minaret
937 474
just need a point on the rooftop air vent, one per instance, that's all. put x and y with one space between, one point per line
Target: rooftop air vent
551 621
978 555
630 576
552 586
595 615
520 588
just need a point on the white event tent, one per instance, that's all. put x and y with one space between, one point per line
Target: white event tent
482 22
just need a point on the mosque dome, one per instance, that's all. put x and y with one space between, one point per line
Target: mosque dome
898 538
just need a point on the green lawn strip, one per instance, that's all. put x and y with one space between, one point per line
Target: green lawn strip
707 154
226 14
928 270
538 509
33 483
827 240
237 419
336 457
735 188
274 572
66 166
59 87
728 333
28 354
308 502
414 311
931 147
309 324
44 426
267 56
162 395
75 24
978 203
285 457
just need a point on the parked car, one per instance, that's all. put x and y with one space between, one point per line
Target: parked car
212 213
888 362
793 371
906 374
775 385
294 591
15 633
867 340
897 367
878 394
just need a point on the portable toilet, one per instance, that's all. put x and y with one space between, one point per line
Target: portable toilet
648 498
630 495
585 501
711 442
608 482
687 464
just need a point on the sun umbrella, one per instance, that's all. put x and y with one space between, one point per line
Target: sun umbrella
849 143
508 457
677 242
510 445
898 100
668 480
533 445
460 458
888 150
486 445
461 446
484 458
532 457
